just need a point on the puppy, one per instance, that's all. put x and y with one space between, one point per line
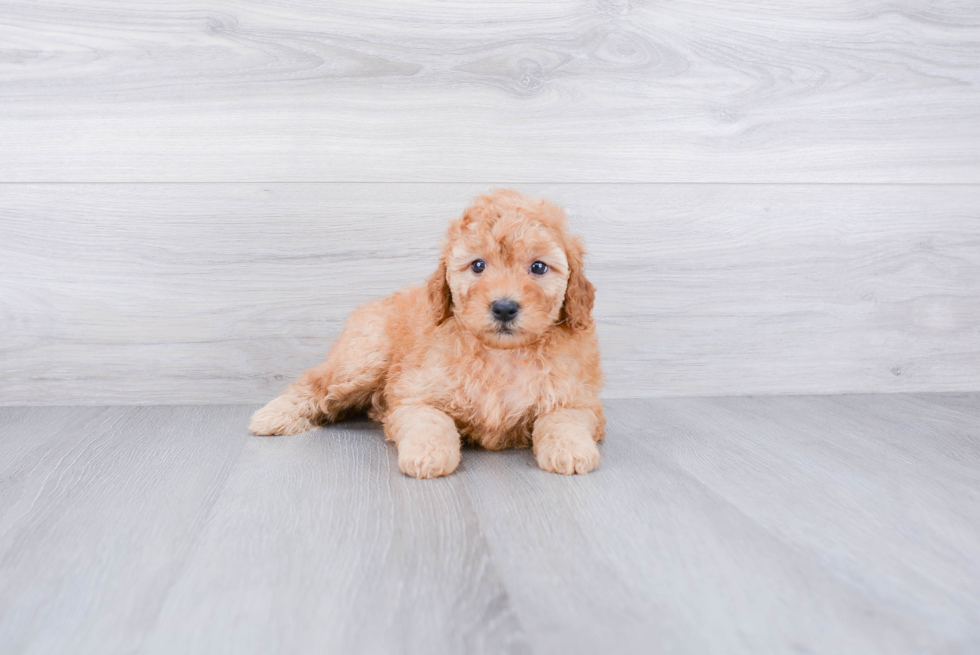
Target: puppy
498 348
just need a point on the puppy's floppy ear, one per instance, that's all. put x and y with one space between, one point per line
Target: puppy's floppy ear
579 294
440 297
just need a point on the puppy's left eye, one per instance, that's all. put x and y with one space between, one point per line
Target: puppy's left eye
539 268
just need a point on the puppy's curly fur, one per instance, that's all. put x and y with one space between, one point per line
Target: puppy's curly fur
436 366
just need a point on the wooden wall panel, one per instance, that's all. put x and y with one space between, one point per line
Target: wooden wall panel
779 199
519 92
214 293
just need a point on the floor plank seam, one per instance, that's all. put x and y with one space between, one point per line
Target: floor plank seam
191 548
493 558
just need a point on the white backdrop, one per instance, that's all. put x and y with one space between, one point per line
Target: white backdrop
775 200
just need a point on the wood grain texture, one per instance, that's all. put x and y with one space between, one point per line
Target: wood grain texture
740 525
965 403
803 524
100 509
519 92
320 544
224 293
896 515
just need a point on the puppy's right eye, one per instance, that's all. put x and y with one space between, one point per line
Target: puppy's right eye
478 266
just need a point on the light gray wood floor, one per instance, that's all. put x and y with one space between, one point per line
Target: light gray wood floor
835 524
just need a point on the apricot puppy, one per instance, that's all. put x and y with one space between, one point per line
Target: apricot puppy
497 348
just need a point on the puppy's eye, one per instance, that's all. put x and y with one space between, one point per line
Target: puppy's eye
539 268
478 266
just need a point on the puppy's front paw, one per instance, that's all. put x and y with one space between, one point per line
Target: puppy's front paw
280 416
422 458
567 456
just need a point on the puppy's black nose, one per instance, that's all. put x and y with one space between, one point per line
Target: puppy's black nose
505 310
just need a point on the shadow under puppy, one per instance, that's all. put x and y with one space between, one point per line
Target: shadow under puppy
498 348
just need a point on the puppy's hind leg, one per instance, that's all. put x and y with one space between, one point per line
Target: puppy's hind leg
353 371
293 412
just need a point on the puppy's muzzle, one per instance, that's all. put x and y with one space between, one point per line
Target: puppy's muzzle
505 310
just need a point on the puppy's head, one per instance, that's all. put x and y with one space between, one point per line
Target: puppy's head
510 272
